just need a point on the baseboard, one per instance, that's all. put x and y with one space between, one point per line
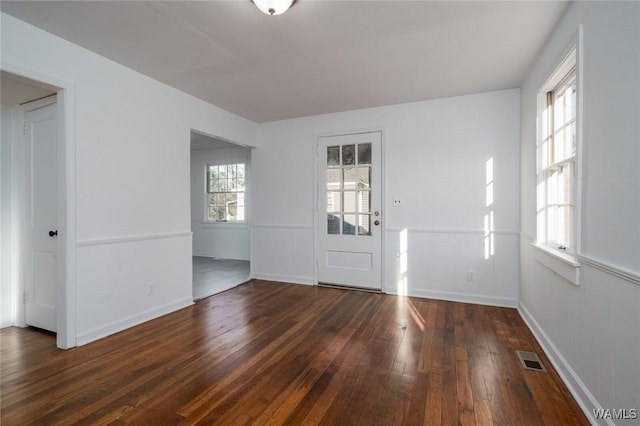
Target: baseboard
218 256
503 302
293 279
132 321
578 389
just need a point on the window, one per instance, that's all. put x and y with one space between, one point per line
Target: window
557 159
349 189
226 192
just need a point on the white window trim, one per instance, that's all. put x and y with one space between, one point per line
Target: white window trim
564 264
229 223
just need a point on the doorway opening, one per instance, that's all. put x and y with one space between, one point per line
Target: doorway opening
220 199
38 225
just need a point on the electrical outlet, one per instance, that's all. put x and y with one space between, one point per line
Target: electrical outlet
471 276
397 202
150 290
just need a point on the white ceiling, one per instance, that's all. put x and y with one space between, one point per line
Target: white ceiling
321 56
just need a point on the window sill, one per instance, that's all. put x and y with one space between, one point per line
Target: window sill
228 225
561 264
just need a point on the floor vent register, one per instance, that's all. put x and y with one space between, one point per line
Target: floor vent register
530 361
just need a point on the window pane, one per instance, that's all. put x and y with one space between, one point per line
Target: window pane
240 171
333 202
348 155
364 177
364 224
364 201
333 179
333 224
564 229
220 213
350 201
230 197
333 156
349 224
364 153
558 147
350 177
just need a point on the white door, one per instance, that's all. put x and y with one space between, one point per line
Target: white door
349 207
40 136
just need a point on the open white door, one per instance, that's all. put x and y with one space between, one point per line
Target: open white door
40 242
349 210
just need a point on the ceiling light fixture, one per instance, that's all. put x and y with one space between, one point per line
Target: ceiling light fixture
273 7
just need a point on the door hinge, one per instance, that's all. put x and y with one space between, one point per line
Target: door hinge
23 129
25 297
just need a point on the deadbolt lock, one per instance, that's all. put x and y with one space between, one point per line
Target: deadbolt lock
377 222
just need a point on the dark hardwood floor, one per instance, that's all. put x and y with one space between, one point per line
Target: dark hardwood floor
273 353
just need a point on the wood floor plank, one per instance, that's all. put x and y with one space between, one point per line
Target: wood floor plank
283 354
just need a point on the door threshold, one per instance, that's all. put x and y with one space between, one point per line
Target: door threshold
349 287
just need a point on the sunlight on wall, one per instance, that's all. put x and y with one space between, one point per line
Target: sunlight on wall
403 260
488 218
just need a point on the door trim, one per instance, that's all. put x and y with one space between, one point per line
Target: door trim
66 285
316 213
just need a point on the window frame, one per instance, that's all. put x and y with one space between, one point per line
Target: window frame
563 261
208 192
550 165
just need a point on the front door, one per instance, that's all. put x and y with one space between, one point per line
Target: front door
40 139
349 207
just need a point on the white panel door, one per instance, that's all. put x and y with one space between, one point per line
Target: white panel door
42 201
349 210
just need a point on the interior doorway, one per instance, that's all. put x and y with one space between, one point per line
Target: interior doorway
220 201
38 191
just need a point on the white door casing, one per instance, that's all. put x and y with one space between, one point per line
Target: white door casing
40 242
350 210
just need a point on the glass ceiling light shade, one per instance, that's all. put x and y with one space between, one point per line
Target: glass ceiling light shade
273 7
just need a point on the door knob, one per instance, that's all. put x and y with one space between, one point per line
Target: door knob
53 233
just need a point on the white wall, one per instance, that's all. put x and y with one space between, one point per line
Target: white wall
7 316
436 154
132 162
591 330
223 240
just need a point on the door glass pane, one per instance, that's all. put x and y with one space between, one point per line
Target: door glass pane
333 179
349 224
364 153
364 201
333 224
333 156
364 224
348 155
333 202
364 177
350 177
348 189
350 202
